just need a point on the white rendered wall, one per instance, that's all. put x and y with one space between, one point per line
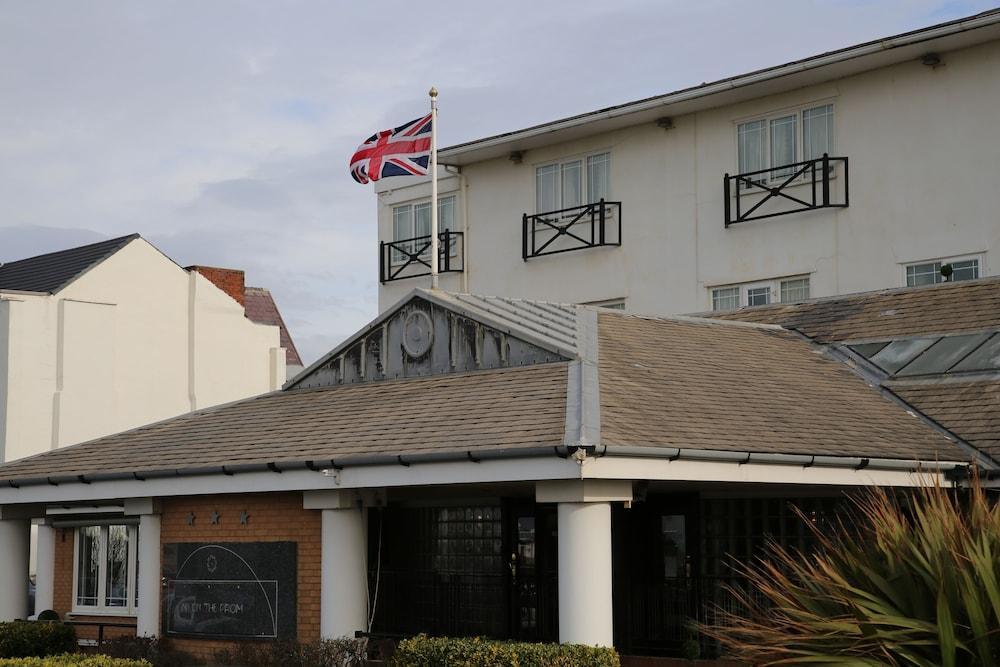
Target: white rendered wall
585 585
343 574
14 569
134 340
923 153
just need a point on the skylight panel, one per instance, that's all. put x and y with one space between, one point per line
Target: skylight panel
943 355
868 350
985 358
898 353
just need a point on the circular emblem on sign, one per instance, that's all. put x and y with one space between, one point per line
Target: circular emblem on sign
418 334
211 564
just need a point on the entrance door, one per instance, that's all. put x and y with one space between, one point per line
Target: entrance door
532 566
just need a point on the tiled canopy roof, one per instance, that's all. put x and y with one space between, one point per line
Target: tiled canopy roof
910 311
496 409
718 386
53 271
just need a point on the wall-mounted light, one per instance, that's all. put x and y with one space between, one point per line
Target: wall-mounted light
516 157
665 123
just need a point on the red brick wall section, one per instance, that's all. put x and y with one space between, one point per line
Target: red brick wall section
62 594
274 517
230 281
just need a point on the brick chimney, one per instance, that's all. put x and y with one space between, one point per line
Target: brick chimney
230 281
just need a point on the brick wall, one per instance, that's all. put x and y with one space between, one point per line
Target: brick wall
274 517
230 281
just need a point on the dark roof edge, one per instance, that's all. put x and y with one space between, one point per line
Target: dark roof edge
982 19
115 244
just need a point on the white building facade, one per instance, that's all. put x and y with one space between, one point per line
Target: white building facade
133 339
908 127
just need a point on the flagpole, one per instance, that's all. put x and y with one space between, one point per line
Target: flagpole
434 190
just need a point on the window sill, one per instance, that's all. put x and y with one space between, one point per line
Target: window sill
98 611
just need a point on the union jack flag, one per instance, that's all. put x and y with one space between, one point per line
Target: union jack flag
403 151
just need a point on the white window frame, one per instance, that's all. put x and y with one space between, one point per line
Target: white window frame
396 257
611 304
800 138
774 285
584 180
980 258
102 609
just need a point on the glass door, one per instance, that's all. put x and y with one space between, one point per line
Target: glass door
531 564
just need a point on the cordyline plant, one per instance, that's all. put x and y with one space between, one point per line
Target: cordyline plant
914 580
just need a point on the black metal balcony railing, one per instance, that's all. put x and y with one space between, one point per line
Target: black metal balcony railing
771 189
575 228
410 258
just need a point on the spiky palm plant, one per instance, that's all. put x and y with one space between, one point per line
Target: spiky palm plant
912 580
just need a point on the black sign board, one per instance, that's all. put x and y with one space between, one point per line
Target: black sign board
230 590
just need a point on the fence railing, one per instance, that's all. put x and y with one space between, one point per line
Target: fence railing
575 228
410 258
769 192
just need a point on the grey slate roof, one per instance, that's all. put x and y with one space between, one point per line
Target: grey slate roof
53 271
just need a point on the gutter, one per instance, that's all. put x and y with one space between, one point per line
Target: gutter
984 19
332 466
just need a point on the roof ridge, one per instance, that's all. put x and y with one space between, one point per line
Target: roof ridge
129 237
694 319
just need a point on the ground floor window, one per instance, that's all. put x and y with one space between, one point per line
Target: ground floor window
105 569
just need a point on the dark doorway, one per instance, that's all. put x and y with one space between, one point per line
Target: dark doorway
532 561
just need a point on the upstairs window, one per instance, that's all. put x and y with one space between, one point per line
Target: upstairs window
411 221
783 139
929 273
760 293
105 569
572 183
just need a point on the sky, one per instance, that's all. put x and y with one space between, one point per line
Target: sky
221 130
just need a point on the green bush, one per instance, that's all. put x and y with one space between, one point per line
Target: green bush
22 639
424 651
72 660
342 652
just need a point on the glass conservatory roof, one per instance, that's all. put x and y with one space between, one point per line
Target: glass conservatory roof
934 355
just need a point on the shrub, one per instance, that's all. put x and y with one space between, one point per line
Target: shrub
153 651
21 639
914 581
72 660
424 651
48 615
342 652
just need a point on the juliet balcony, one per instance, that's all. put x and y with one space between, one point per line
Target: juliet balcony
410 258
576 228
788 189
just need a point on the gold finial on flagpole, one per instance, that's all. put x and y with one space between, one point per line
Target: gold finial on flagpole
433 92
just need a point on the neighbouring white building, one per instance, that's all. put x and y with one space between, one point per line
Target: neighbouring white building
909 127
110 336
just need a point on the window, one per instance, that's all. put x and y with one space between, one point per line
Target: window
565 185
613 304
413 221
783 139
106 569
929 273
760 293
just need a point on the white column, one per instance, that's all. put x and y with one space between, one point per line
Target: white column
15 545
148 579
585 585
45 568
343 579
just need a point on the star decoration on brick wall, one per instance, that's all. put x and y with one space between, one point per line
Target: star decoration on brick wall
190 519
214 519
245 518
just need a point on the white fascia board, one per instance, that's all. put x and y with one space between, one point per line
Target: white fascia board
360 477
755 473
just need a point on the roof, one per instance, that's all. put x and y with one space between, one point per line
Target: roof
970 408
53 271
957 307
946 36
261 308
495 409
712 386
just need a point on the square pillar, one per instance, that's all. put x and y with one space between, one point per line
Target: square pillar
45 567
148 577
343 571
15 546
